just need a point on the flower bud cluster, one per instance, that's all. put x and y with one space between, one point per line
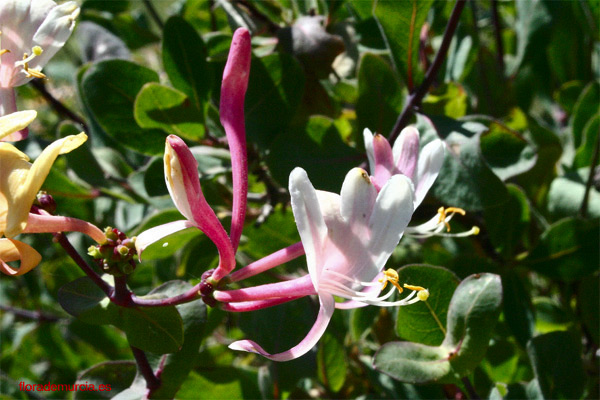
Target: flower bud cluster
115 255
207 288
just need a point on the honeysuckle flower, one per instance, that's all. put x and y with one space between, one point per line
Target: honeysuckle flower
20 182
181 169
421 166
183 183
347 239
32 31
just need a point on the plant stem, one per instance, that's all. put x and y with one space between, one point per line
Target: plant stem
588 185
122 295
416 97
480 65
152 382
38 316
58 106
498 36
64 242
154 14
470 389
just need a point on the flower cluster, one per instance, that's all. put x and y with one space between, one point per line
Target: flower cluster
347 238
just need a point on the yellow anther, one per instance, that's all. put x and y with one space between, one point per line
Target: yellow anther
4 51
416 288
37 50
391 276
422 293
450 210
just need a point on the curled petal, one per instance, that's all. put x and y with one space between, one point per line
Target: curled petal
231 109
325 312
430 163
54 31
183 182
20 181
309 220
406 151
14 122
13 250
152 235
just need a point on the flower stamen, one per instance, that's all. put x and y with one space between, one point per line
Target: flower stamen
31 72
391 276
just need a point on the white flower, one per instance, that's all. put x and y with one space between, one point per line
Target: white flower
32 31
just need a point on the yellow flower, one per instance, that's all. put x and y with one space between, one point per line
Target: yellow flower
19 183
20 180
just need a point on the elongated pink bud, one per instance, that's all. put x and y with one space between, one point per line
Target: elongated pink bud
233 91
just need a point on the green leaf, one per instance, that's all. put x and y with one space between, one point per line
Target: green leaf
108 378
585 109
184 59
155 329
585 153
380 95
556 359
83 299
565 250
501 361
425 322
566 195
362 319
275 89
518 310
508 224
159 106
400 23
331 363
449 99
109 89
221 383
58 184
506 152
465 179
318 148
473 313
176 367
588 298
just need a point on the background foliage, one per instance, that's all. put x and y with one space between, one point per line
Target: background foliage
516 101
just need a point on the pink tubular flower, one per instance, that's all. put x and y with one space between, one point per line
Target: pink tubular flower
32 31
183 182
347 238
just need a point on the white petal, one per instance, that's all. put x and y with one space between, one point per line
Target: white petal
368 138
431 160
309 220
391 215
54 32
311 339
357 197
152 235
